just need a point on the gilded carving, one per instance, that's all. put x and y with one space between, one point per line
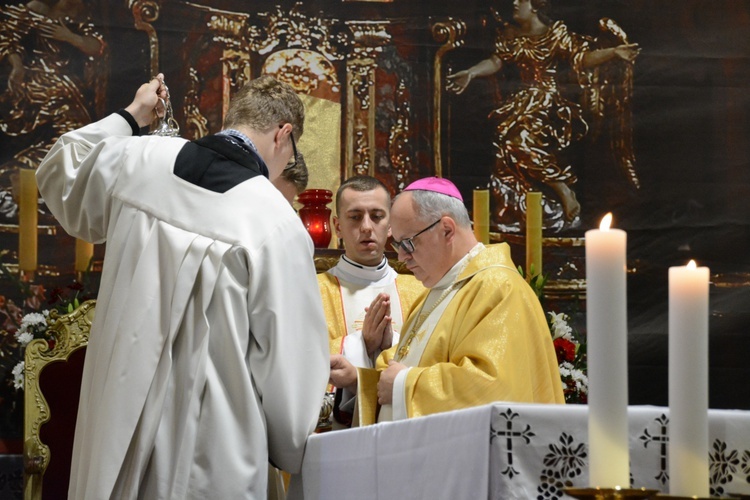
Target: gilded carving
70 332
361 158
398 140
146 12
450 32
368 38
197 124
300 48
293 29
362 80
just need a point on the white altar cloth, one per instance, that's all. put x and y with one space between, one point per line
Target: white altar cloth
504 451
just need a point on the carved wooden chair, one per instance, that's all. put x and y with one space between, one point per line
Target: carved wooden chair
53 371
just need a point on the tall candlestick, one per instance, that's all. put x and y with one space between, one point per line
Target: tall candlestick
481 212
533 233
27 221
688 381
84 252
606 323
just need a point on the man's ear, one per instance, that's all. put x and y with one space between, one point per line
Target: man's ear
281 134
448 228
336 226
389 234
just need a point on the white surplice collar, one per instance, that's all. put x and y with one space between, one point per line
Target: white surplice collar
354 272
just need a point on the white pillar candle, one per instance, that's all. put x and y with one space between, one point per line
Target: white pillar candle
606 323
688 381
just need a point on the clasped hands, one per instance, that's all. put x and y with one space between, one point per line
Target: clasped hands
377 333
377 329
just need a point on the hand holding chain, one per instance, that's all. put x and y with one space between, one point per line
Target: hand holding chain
167 125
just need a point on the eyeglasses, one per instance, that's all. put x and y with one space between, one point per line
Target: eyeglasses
294 148
407 244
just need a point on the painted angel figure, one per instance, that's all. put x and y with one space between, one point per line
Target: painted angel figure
537 122
42 42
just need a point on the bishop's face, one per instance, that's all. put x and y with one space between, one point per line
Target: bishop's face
362 222
430 259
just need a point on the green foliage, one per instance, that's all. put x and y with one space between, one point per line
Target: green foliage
536 282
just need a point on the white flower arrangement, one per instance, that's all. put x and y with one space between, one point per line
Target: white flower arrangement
559 326
18 375
33 326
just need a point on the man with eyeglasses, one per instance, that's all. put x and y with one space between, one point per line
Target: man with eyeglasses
365 299
479 336
293 180
208 353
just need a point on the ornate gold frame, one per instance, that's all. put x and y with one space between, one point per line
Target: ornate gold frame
245 39
71 332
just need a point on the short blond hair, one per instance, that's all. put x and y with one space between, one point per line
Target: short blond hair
265 103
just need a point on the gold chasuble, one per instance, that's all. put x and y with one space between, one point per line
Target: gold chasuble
486 341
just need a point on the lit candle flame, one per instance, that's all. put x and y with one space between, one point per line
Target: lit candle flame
606 222
691 264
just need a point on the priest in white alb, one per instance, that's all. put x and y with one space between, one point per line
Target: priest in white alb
208 352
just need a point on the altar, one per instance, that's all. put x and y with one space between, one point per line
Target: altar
505 451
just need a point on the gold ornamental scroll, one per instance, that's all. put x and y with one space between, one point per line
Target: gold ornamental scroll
146 12
450 32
